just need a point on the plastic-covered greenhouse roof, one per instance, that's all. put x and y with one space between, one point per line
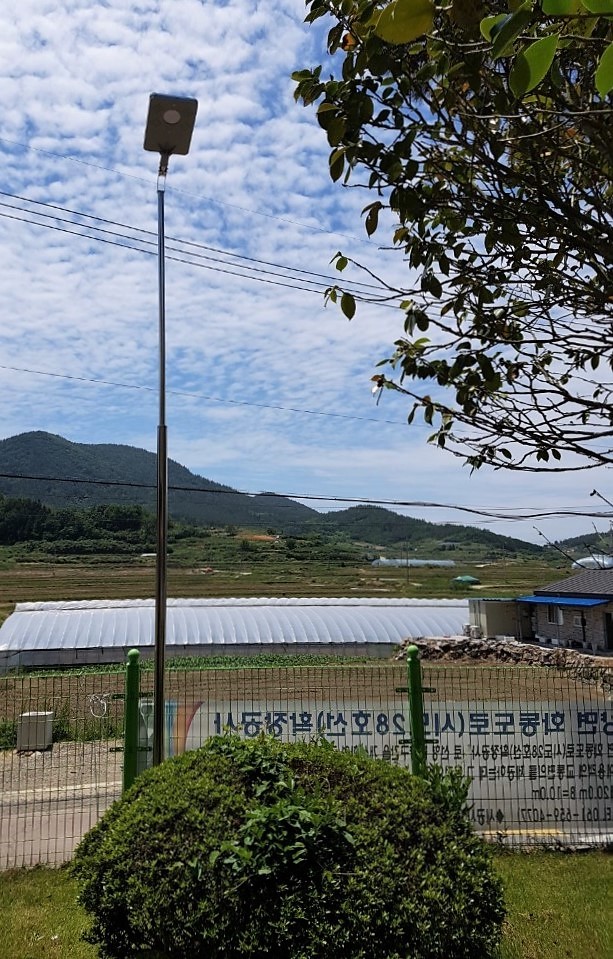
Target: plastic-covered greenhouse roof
121 624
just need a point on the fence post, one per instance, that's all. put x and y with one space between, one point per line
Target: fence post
130 744
416 713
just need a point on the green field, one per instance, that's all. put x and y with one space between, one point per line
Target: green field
559 908
223 565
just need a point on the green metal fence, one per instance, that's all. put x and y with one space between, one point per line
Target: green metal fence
537 742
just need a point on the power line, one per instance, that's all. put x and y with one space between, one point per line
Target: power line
358 288
316 286
176 259
153 241
202 396
494 513
153 251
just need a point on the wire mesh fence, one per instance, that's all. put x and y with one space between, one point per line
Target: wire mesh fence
60 762
536 742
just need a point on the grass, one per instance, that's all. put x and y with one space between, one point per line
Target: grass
39 918
559 908
559 905
268 576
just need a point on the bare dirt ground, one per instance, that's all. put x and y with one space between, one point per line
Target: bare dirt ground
66 767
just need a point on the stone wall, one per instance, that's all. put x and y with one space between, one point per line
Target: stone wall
505 652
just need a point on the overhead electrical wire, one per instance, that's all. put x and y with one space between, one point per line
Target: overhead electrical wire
153 251
321 283
171 239
252 268
202 396
243 267
175 259
499 513
282 276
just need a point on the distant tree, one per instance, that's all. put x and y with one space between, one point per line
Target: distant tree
485 134
21 519
118 518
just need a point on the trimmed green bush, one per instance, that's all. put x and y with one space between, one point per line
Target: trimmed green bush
257 849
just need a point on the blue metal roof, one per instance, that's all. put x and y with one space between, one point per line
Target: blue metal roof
563 600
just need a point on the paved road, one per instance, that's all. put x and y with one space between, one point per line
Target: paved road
45 825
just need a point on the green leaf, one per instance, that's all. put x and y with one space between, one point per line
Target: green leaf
488 23
405 20
532 64
348 305
430 283
337 164
561 8
335 130
603 77
510 28
599 6
372 219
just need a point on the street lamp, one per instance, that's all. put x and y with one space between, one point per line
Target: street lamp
170 124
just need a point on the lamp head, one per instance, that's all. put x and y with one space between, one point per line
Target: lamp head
170 124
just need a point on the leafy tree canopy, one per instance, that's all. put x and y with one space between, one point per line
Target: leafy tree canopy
484 133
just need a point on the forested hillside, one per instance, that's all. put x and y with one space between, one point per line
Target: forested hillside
97 529
67 484
84 475
373 524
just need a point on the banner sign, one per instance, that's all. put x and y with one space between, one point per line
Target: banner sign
534 768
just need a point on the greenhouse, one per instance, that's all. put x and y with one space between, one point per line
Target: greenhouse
102 631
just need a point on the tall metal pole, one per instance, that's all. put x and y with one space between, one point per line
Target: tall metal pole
162 492
170 124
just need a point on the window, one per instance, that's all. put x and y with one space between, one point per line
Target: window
555 616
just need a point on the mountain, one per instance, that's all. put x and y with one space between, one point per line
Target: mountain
96 467
92 470
373 524
596 542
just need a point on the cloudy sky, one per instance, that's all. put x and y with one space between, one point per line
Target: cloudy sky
267 388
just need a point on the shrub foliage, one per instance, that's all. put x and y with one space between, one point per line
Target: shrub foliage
257 849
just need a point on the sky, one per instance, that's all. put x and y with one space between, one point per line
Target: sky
267 387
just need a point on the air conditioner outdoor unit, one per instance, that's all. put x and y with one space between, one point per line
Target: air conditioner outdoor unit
34 731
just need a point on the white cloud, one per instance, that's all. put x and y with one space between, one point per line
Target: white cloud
75 85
